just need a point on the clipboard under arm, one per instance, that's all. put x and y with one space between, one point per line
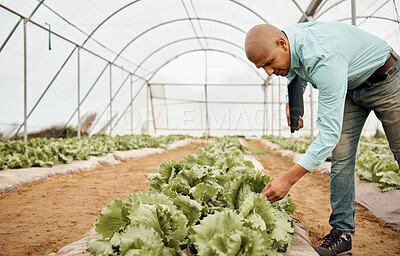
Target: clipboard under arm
296 103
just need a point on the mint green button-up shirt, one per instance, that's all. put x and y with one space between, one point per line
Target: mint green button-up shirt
334 57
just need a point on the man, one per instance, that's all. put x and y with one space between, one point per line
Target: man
355 72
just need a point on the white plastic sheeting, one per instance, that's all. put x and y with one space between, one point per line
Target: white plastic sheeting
301 245
109 51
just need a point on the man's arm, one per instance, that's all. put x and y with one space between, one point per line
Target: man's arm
331 77
278 188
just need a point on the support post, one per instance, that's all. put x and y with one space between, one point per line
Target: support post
79 93
147 108
127 107
131 105
206 97
25 85
272 109
107 106
266 109
84 98
264 88
353 13
111 115
312 115
17 24
280 113
152 109
45 91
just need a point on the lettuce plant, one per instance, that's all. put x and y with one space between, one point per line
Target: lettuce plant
209 203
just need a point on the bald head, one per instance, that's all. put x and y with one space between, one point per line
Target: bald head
261 38
268 48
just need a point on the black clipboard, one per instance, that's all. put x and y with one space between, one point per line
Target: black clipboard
296 103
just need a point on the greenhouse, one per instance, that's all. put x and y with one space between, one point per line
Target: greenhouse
145 127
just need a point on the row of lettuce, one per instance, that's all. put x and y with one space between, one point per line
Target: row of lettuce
371 140
372 162
42 152
374 140
207 204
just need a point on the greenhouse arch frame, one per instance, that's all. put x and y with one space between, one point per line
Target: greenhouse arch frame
140 41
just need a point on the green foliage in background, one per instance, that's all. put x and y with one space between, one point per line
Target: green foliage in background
42 152
373 163
297 146
374 140
372 166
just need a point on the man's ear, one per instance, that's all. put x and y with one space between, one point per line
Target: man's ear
282 43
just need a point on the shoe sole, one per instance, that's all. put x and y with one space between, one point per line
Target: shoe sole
347 253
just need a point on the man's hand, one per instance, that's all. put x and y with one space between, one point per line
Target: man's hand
276 189
299 122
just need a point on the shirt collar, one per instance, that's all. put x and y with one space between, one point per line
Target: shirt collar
294 59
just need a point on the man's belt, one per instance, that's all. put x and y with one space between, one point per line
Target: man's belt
381 73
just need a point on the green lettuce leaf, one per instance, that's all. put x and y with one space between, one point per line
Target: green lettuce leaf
113 218
163 175
166 219
140 240
100 247
390 178
259 211
190 208
223 233
244 184
285 204
284 226
203 193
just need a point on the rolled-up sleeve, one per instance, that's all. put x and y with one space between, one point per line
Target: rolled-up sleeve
329 74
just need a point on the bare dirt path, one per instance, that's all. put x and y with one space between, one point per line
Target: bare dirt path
311 198
47 215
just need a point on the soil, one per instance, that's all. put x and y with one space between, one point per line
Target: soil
50 214
311 198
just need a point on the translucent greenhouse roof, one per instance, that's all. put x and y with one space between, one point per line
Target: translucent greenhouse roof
154 65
